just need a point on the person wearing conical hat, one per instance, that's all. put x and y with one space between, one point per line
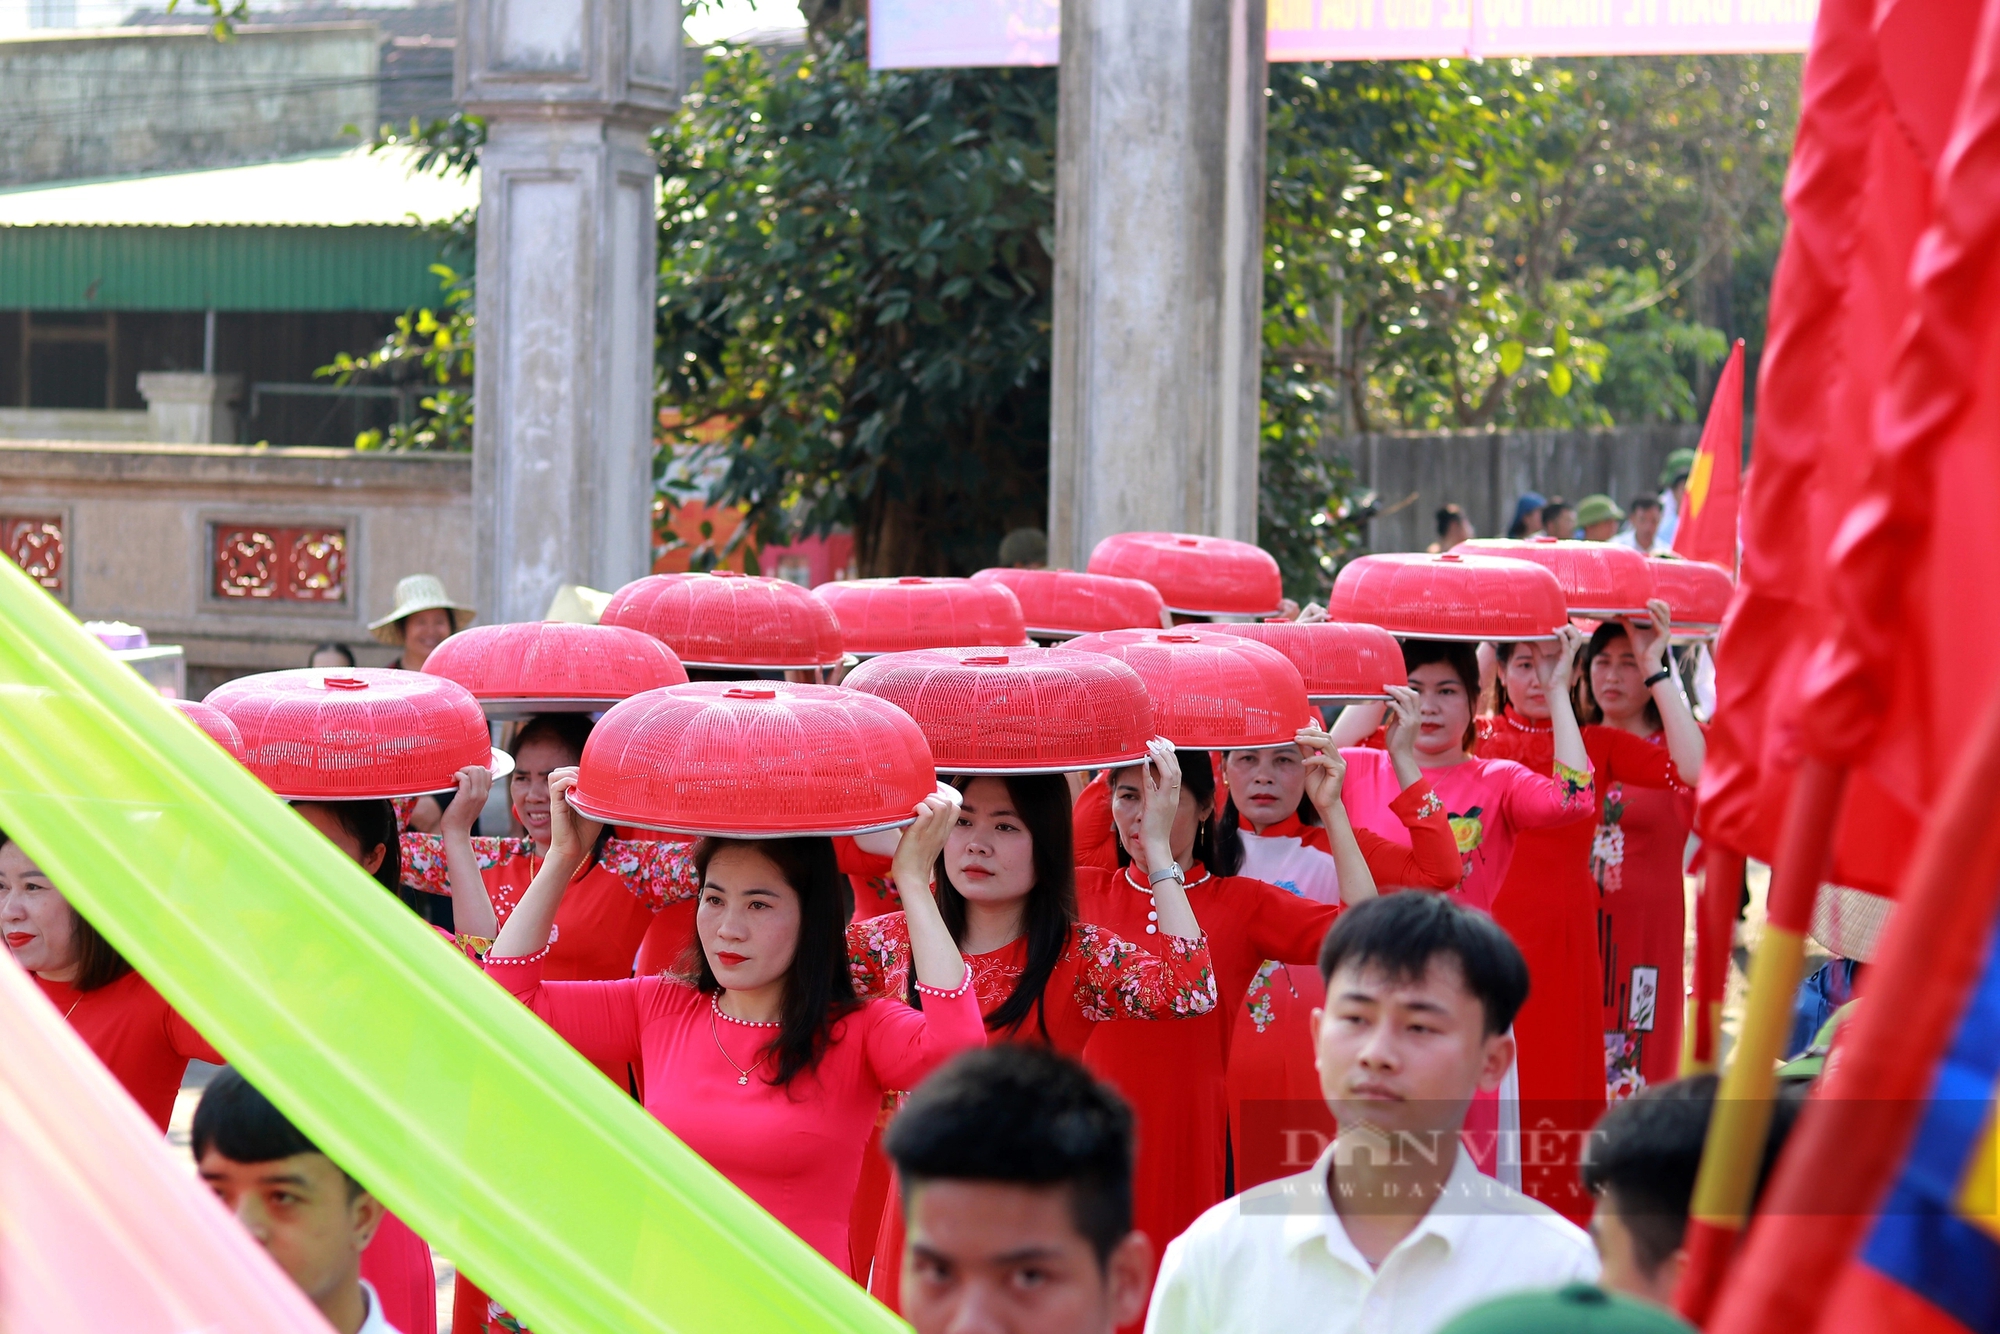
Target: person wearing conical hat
424 616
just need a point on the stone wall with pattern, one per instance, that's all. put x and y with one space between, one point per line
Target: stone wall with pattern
245 557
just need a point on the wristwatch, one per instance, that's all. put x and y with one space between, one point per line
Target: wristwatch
1658 677
1172 872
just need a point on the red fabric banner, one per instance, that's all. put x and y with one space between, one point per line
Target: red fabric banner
1859 196
1910 661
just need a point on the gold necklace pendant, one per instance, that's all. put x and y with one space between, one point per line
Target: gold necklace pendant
715 1031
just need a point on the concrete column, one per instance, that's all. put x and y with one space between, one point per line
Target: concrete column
563 393
190 408
1159 271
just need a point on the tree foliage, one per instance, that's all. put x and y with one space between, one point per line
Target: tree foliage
855 269
1507 244
1512 243
431 347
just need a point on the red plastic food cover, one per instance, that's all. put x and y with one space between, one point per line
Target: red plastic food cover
1059 603
897 615
1598 579
554 666
1696 593
357 733
1449 596
1211 690
214 722
754 759
1342 662
1016 710
1196 575
730 622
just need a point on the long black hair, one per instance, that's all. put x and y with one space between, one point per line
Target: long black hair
819 989
1198 781
1042 802
1503 653
97 963
1463 659
372 824
1228 825
570 731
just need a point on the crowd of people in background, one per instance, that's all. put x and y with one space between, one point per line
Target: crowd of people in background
1093 1010
1646 524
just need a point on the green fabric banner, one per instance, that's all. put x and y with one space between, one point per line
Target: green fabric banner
491 1137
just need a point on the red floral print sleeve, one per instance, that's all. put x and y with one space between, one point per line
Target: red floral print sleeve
659 871
878 956
1116 979
425 868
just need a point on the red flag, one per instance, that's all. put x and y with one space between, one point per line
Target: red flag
1776 610
1870 134
1707 528
1912 658
1859 196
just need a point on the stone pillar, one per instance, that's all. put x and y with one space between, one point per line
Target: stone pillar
563 393
1159 271
190 408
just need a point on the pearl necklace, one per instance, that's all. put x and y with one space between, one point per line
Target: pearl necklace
1153 916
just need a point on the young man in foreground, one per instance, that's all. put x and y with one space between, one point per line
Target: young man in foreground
1016 1168
312 1217
1393 1228
1641 1167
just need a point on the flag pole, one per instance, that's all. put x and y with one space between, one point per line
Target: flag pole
1714 928
1857 1127
1742 1120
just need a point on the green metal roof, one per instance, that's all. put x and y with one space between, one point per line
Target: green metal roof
332 231
220 268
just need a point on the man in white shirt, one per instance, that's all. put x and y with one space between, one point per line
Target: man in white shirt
1393 1229
1643 533
1673 492
312 1217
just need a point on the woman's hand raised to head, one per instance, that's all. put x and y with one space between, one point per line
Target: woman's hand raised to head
1161 779
1325 769
1558 668
475 781
922 843
571 833
471 906
933 953
1403 727
1685 743
1651 642
571 836
1401 722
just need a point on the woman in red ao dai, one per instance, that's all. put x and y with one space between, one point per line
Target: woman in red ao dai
1173 1074
1636 858
761 1058
1006 885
